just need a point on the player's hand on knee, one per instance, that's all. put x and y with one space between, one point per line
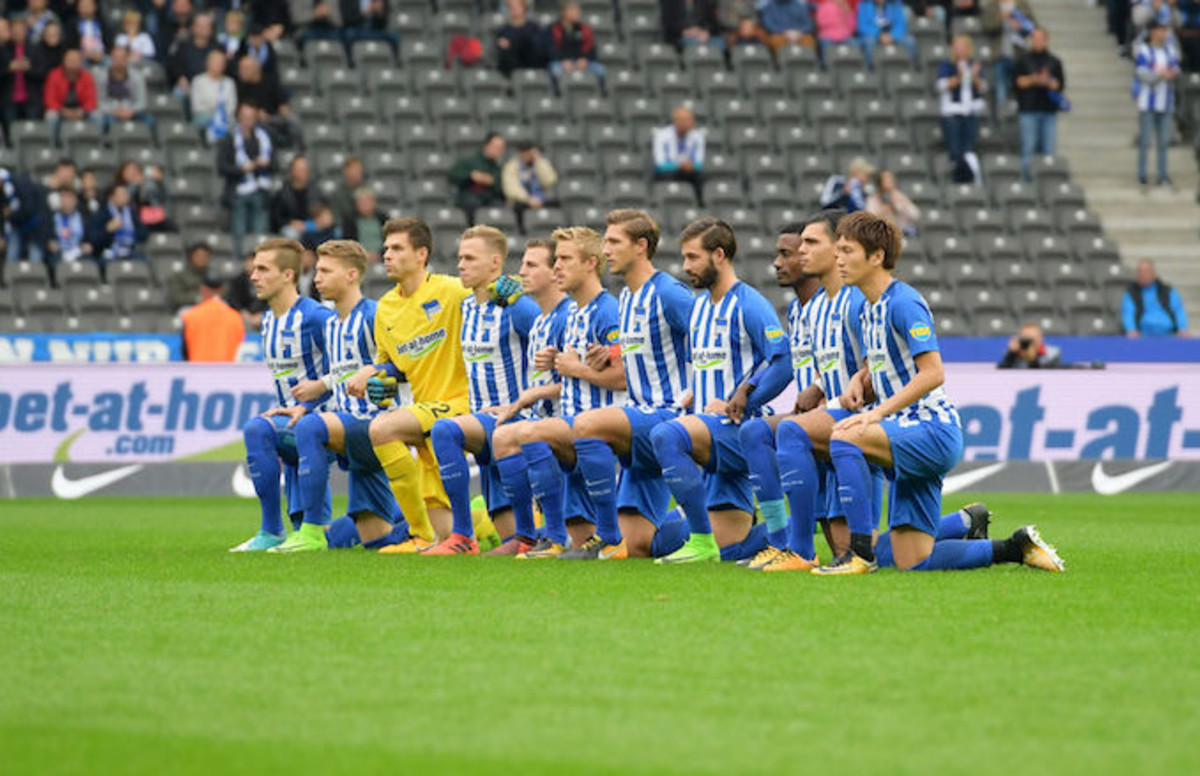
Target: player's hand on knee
294 413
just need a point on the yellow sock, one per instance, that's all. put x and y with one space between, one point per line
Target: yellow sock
405 479
484 529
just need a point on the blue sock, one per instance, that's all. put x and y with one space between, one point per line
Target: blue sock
952 526
855 492
448 443
262 461
878 482
956 555
514 478
398 534
673 448
801 479
671 535
754 543
313 469
598 465
883 551
549 486
758 448
342 534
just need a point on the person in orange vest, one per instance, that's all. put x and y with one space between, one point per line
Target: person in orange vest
212 330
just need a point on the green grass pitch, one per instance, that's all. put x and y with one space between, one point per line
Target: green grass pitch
133 643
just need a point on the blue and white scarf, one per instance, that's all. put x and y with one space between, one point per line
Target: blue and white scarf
255 181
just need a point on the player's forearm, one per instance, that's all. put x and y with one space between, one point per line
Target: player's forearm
611 378
927 379
531 396
770 382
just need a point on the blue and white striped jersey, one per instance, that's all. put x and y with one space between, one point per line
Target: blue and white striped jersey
654 341
1151 91
494 346
547 332
835 329
349 345
897 329
800 345
731 339
596 323
294 347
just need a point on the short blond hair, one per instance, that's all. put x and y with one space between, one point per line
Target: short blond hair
589 242
492 237
288 254
348 253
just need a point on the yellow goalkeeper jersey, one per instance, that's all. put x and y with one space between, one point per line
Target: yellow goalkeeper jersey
420 334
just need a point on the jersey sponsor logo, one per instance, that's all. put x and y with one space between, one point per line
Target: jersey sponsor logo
421 346
921 332
774 333
66 488
281 368
709 358
474 352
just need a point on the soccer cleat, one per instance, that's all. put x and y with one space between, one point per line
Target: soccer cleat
791 561
546 548
596 548
411 546
310 538
693 550
846 563
1035 551
455 544
514 545
260 542
761 559
979 517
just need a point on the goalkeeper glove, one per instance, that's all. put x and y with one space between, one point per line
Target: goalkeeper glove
506 290
382 389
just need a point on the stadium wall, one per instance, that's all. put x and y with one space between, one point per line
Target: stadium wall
175 429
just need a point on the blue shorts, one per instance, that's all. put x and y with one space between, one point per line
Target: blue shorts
922 453
359 452
641 450
285 445
727 484
644 492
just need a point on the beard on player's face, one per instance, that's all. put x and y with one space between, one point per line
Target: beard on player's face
704 277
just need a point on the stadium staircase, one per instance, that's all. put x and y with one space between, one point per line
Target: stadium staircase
1099 140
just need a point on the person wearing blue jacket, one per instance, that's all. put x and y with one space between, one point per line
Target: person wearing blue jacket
883 23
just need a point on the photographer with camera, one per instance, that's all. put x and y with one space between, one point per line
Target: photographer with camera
1028 350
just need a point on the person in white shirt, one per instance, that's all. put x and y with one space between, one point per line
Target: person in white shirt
214 98
679 152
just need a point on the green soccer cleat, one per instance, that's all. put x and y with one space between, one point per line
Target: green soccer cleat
310 538
700 548
260 542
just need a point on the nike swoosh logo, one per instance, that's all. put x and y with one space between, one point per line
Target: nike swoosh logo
957 482
68 489
1112 484
242 485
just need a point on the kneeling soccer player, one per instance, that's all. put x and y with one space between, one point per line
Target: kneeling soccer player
914 430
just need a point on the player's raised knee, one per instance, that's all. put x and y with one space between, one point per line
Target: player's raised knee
755 432
259 430
670 439
313 425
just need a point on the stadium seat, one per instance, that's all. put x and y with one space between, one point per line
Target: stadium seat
588 109
625 193
749 61
83 273
670 86
1030 222
371 55
500 217
25 277
98 301
38 301
1049 170
1016 195
624 83
764 85
702 62
77 136
811 85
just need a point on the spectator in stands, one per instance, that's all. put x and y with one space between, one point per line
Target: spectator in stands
883 23
257 47
290 206
353 179
528 180
1040 81
1189 35
182 285
122 91
6 77
322 225
232 35
788 23
848 192
476 177
520 42
212 330
89 33
836 22
1156 70
679 152
573 45
44 56
241 296
214 99
366 225
747 32
246 160
367 20
70 229
168 24
692 23
39 18
140 43
1028 350
961 86
26 216
270 100
1008 25
65 175
322 22
151 198
115 232
89 192
888 201
20 97
1151 308
70 93
277 19
188 57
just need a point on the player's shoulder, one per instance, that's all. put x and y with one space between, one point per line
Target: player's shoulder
752 297
666 283
312 309
901 294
